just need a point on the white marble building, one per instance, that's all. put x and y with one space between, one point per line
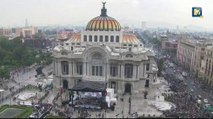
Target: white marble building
104 52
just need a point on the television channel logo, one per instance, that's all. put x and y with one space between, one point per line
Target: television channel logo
197 12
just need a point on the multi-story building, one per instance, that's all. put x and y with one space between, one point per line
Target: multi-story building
191 54
16 32
207 68
103 52
186 53
169 45
199 55
5 32
29 31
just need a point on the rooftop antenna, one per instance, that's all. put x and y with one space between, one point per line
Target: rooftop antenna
26 23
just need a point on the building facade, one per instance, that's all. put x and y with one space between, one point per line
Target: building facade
5 31
169 45
29 31
191 55
186 54
104 52
208 65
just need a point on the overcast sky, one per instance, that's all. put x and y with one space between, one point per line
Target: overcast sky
127 12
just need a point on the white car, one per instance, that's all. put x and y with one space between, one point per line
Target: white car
205 100
207 105
184 74
198 101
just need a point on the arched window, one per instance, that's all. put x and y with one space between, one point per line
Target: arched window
97 56
111 38
90 38
64 67
117 39
101 38
106 38
96 38
97 65
128 70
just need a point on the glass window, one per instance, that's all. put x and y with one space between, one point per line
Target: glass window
79 67
85 38
113 70
101 38
90 38
111 38
147 67
117 39
93 70
101 74
97 70
128 70
106 38
96 38
64 67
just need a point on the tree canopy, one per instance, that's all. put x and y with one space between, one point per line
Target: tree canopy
14 53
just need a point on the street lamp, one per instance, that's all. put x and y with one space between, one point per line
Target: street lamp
61 88
105 96
130 101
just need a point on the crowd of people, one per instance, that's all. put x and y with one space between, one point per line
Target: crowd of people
14 92
176 85
186 103
186 107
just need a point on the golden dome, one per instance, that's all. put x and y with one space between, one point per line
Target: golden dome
103 22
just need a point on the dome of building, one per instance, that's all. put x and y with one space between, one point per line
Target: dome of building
103 22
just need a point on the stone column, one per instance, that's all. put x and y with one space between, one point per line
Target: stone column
108 70
144 70
70 68
122 71
138 72
84 68
134 72
74 68
58 68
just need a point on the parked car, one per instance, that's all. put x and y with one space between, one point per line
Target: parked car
207 105
205 100
184 74
198 101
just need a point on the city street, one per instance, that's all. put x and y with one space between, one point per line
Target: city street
193 85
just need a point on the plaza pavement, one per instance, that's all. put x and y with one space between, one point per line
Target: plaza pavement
22 78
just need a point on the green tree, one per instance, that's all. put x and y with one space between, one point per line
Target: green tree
160 66
4 73
14 53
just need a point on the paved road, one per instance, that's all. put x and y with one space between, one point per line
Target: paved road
193 85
